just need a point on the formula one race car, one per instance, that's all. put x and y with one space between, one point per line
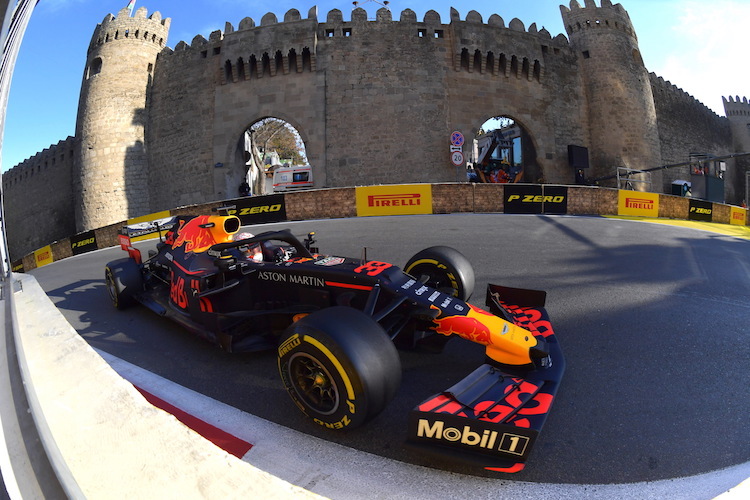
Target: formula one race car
336 324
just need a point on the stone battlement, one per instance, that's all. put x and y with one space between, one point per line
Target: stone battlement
736 107
140 26
608 16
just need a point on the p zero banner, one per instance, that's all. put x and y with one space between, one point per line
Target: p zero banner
259 209
535 199
701 210
403 199
738 216
638 204
43 256
82 243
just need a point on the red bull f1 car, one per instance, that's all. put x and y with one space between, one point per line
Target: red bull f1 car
336 324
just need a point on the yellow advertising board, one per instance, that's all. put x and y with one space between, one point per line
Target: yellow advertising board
401 199
738 216
638 204
43 256
148 229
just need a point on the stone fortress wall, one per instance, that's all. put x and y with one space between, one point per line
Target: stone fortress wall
374 101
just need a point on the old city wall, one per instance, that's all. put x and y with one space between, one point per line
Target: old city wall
687 126
374 102
40 192
525 75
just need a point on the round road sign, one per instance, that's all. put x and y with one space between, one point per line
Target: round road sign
457 158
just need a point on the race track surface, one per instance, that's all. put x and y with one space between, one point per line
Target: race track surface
652 320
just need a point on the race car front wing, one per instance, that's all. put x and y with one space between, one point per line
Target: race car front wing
492 417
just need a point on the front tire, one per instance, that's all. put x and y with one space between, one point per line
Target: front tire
445 269
124 280
339 367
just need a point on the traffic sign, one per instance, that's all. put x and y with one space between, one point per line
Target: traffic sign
457 138
457 158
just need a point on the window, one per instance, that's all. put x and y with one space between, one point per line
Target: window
347 32
421 32
438 33
329 33
95 67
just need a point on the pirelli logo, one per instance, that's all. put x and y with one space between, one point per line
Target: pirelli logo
405 199
394 200
639 203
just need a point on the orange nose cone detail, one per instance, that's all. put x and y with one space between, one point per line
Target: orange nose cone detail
506 343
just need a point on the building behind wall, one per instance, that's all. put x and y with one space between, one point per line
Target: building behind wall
375 101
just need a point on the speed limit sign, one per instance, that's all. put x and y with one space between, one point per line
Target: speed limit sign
457 158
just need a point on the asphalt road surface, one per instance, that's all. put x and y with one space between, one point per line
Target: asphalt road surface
652 320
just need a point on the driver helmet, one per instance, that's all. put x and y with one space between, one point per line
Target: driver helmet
252 251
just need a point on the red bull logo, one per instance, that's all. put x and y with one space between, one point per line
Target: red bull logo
200 233
506 343
470 327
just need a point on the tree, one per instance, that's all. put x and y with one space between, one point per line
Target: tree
272 134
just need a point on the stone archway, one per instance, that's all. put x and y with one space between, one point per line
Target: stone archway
503 152
263 145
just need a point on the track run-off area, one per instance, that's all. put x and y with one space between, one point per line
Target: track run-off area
652 320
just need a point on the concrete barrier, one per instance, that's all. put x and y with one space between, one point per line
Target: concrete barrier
102 437
446 198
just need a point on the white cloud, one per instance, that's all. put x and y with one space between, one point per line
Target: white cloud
710 60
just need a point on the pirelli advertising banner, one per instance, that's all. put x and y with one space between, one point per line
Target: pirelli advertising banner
738 216
43 256
82 243
259 209
638 204
404 199
701 210
535 199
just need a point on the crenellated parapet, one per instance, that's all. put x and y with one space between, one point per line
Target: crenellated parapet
38 167
273 48
608 16
139 27
665 90
736 107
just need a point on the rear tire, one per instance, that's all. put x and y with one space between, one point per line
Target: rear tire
339 367
124 280
445 269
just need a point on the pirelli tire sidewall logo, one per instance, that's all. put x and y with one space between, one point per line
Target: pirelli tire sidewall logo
407 199
535 199
260 209
700 210
82 243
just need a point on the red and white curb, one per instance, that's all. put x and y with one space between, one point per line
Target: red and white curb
338 472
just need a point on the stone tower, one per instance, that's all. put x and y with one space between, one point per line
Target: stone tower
738 113
111 167
621 114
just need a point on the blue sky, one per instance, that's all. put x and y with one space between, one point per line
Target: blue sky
696 45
